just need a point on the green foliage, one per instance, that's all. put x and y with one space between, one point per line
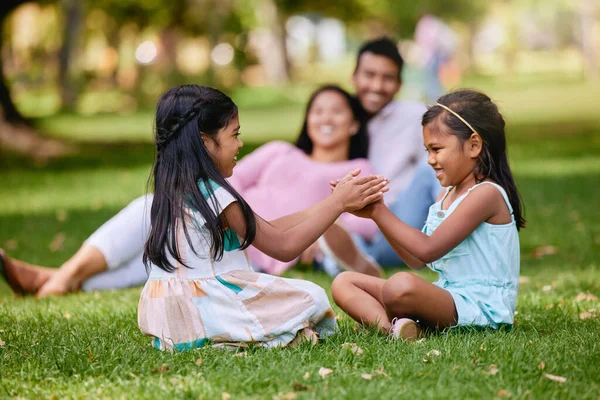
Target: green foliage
403 16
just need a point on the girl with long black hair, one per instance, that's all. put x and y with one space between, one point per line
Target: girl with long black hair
202 289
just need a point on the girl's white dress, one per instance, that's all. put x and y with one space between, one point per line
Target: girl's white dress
225 303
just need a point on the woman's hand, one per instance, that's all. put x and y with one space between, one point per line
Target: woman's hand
355 193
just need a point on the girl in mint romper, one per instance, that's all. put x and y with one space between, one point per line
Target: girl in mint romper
482 272
470 237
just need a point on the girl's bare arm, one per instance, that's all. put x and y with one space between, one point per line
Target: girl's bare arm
480 205
288 242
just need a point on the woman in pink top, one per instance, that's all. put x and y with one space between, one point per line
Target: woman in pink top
276 179
279 178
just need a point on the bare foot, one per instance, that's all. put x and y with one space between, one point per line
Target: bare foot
338 243
23 278
59 285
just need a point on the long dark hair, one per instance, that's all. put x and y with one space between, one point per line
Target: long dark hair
359 142
483 115
182 163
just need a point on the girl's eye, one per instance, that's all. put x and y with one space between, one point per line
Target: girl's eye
238 134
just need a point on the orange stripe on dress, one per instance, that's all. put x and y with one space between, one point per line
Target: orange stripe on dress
156 289
196 289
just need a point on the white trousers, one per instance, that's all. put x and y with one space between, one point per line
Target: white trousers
121 240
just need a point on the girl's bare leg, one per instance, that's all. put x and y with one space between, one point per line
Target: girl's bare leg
25 278
88 261
359 295
406 295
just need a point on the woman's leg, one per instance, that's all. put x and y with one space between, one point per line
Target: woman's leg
339 244
406 295
86 262
117 245
359 296
126 276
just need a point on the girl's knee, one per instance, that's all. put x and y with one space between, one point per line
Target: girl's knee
340 285
398 289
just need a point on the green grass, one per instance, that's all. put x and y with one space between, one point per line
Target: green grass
88 345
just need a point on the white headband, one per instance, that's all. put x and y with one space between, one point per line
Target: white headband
457 116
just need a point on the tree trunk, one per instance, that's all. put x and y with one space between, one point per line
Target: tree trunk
273 52
16 133
72 11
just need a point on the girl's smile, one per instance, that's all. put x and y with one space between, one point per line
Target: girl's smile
226 149
451 160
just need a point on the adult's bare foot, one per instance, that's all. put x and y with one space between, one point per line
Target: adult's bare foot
59 285
23 278
338 243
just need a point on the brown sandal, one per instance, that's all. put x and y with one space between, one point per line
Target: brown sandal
4 273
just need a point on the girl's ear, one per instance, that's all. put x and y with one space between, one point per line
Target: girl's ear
475 145
208 143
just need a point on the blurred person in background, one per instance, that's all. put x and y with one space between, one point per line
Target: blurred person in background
396 151
436 43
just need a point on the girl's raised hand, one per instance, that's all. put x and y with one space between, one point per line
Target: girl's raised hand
355 193
349 175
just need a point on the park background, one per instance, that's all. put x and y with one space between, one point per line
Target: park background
79 80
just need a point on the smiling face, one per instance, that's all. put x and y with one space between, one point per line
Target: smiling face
453 161
330 121
225 151
376 80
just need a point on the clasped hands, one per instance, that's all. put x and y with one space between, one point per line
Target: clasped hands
367 210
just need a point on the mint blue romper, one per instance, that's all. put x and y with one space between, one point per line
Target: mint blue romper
482 272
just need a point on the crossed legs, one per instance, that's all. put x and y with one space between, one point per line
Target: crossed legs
375 301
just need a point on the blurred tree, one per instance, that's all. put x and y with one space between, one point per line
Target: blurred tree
270 17
72 11
16 132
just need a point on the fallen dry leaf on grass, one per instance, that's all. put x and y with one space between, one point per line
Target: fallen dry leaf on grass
2 343
433 353
585 297
299 387
544 251
162 369
58 242
523 279
380 372
61 215
241 354
306 375
547 288
285 396
11 244
67 315
586 315
324 372
556 378
502 393
353 348
199 361
225 396
492 370
541 365
366 376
